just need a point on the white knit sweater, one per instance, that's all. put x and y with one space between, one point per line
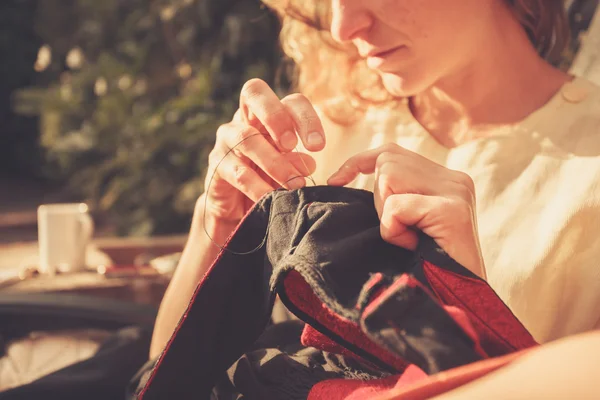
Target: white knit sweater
538 201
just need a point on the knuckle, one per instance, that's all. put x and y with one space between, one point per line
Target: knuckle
254 87
237 139
307 120
295 97
465 179
383 158
242 135
241 174
466 186
384 183
390 147
276 117
465 193
222 130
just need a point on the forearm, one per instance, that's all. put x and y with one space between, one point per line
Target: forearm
566 369
197 257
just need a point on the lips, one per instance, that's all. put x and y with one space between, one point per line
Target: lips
388 60
381 53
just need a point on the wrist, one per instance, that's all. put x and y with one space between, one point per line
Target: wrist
217 228
209 225
207 235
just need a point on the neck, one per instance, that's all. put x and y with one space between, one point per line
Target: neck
503 83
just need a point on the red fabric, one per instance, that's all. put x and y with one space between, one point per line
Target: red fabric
302 296
448 380
404 280
341 389
413 384
313 338
461 318
499 331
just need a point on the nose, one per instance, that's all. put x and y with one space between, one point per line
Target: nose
349 19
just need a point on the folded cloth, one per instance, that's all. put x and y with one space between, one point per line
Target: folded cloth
103 375
42 353
363 300
413 384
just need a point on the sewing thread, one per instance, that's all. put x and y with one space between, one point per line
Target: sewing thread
264 239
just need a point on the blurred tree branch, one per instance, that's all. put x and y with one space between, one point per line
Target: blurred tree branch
139 89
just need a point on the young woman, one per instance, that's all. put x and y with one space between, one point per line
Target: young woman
450 100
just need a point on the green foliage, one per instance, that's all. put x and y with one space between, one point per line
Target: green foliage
140 89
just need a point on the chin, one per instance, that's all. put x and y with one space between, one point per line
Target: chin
402 86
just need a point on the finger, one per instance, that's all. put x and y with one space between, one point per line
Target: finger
294 182
399 175
238 116
242 176
399 214
306 120
304 163
362 163
451 222
246 141
262 108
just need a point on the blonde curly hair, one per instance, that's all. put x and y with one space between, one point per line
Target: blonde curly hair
346 87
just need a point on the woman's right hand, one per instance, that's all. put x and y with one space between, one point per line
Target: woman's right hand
254 153
262 136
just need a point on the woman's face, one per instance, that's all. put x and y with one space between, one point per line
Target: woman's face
415 43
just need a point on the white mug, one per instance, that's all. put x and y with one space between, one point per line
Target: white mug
64 232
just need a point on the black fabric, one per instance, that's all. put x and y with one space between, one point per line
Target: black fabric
408 321
102 377
329 235
229 311
278 367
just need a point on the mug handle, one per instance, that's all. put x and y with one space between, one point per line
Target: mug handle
87 227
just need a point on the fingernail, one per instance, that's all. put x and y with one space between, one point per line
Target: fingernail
315 139
296 183
288 141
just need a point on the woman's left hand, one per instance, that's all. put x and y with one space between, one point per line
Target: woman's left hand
414 192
